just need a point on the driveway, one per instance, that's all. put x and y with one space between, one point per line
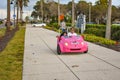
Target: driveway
41 61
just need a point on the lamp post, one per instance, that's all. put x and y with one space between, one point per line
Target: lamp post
13 2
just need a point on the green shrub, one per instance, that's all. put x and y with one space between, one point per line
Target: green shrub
98 26
116 35
100 40
68 24
114 28
95 31
1 22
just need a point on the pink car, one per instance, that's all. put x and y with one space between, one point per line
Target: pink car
71 44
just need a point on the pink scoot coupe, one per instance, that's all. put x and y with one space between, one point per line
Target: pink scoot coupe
71 44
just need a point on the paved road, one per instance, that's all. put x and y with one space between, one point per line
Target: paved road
41 61
2 25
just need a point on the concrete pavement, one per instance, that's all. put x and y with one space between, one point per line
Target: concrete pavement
41 61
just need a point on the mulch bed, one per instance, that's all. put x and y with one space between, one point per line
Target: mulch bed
115 47
5 39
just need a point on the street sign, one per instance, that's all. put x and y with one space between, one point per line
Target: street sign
14 16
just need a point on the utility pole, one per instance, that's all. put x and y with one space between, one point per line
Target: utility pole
14 3
73 22
59 12
108 24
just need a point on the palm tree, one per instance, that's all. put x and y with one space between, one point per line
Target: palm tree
21 4
8 15
59 12
73 23
17 4
108 25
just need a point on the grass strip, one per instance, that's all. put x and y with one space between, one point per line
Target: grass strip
11 58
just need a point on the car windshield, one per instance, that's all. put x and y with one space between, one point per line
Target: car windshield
71 36
37 23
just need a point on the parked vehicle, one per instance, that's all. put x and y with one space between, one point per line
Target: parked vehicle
38 24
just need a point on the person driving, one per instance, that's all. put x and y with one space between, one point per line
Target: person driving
72 32
64 34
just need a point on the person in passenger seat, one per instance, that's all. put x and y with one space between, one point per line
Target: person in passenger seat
72 32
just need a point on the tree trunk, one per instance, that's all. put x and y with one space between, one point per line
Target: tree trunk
58 12
21 9
21 14
108 24
73 22
8 15
17 15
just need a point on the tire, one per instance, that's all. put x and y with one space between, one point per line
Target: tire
86 51
58 50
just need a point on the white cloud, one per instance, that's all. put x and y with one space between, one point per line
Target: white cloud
3 13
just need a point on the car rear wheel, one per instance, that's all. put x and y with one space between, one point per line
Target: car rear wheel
58 50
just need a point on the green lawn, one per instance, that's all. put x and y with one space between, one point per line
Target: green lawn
11 59
2 32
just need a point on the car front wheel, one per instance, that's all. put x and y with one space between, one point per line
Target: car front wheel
86 51
58 50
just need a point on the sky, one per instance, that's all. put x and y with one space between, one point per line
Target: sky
29 9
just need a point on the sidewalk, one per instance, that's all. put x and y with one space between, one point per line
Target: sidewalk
42 63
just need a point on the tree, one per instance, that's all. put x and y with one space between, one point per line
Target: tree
108 26
8 15
21 4
82 7
50 10
17 4
73 11
100 10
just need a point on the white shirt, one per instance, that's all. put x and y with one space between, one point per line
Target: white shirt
63 25
72 34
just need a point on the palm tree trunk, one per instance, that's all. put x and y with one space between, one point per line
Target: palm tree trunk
73 13
108 25
8 15
58 12
21 11
17 15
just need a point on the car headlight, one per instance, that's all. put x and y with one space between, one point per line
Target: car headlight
82 43
66 44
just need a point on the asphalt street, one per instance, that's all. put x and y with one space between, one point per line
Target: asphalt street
2 25
41 61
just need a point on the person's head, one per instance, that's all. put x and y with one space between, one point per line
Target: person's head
72 30
65 34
